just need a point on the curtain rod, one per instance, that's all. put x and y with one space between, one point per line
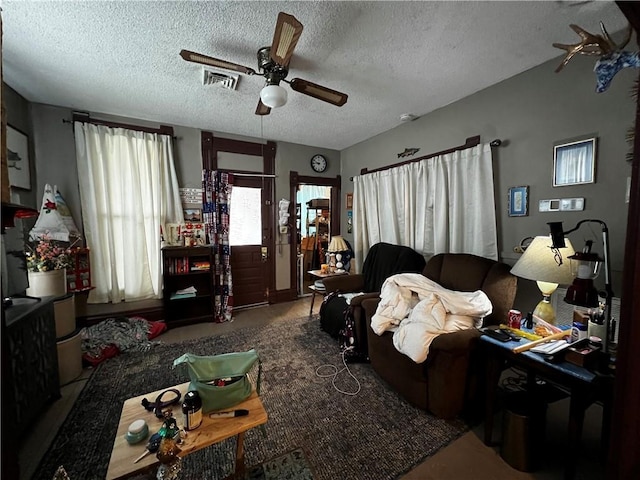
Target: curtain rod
86 118
262 175
469 143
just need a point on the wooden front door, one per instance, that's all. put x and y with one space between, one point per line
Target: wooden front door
249 254
253 168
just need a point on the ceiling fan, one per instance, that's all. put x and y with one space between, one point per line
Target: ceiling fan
273 64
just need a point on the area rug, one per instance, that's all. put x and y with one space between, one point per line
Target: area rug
288 466
374 434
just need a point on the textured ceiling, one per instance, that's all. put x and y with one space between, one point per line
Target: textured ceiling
391 58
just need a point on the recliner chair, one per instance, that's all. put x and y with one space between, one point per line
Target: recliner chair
449 381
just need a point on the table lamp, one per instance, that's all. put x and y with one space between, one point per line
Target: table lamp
587 266
542 263
336 245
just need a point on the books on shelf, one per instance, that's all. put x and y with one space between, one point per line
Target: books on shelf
180 265
200 266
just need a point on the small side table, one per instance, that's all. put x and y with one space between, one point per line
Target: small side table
584 387
316 289
211 431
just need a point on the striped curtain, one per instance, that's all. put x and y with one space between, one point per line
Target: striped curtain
216 191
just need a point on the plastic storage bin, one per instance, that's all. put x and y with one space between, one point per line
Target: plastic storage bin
69 357
523 428
65 314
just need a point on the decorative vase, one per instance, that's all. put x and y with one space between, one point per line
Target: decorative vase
45 284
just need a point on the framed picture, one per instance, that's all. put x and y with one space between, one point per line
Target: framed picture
574 163
193 215
349 201
18 158
173 236
519 201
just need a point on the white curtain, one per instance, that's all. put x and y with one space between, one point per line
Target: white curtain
444 204
128 189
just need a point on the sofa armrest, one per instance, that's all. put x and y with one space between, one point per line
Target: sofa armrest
448 371
460 340
344 283
370 305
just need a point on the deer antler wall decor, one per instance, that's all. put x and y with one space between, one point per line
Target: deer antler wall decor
612 57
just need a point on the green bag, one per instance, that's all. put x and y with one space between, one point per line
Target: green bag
209 373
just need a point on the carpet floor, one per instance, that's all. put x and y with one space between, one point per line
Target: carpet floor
372 435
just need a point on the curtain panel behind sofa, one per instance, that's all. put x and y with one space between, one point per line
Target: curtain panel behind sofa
444 204
128 189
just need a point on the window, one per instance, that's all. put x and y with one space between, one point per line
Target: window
245 226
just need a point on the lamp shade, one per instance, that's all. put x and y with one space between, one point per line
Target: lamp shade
273 96
337 244
541 264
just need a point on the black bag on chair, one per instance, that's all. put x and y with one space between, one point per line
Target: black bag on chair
336 318
332 314
350 344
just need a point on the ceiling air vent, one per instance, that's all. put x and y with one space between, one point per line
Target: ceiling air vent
223 79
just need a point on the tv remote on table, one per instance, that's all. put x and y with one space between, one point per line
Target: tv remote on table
497 334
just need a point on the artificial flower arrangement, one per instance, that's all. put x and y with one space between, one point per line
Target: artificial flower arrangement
46 255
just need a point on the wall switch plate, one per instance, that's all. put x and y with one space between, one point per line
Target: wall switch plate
552 205
571 204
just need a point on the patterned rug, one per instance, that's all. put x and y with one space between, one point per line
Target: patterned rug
374 434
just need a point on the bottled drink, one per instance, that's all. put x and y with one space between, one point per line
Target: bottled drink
192 410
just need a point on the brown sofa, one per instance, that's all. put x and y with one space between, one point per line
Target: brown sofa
448 381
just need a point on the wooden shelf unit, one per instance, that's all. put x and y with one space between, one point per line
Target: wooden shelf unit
184 267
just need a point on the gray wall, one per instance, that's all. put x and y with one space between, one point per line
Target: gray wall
53 161
529 113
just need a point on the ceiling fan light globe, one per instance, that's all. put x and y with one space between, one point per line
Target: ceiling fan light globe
273 96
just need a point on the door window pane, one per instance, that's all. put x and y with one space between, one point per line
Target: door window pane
245 216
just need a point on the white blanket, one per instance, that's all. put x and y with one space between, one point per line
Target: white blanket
417 310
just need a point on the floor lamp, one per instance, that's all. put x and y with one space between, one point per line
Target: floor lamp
579 285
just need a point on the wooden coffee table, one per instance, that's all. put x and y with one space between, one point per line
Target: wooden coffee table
209 432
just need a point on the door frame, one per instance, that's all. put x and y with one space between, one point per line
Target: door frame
295 180
210 147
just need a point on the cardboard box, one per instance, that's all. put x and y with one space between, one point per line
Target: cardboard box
582 354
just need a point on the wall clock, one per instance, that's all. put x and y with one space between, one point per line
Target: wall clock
319 163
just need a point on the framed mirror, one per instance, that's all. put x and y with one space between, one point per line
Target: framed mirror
574 163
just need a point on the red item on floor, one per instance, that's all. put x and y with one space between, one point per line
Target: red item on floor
156 328
110 351
107 352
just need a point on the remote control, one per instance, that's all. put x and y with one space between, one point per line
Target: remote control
497 334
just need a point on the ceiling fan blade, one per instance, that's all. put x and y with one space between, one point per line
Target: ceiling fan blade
285 38
262 109
215 62
318 91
